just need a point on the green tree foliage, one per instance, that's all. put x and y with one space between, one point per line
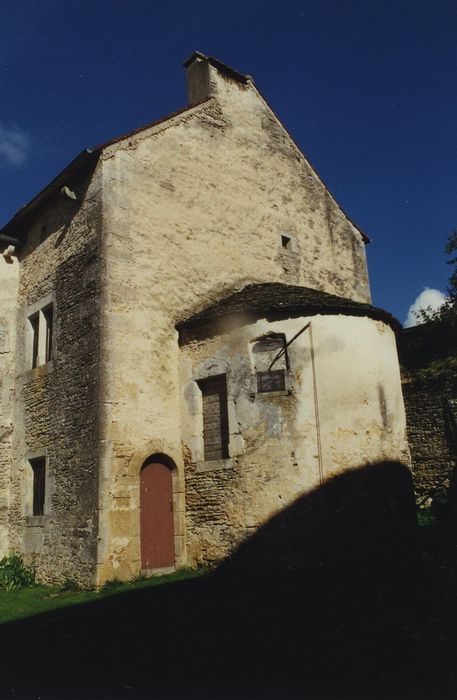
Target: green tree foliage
451 250
435 338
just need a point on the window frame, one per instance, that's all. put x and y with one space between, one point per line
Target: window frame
287 243
271 344
34 321
37 487
38 465
40 334
211 386
48 316
272 373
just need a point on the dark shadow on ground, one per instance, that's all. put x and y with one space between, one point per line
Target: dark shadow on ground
332 599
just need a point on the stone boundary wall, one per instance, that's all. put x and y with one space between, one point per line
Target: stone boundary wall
431 413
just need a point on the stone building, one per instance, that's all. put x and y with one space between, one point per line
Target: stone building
187 343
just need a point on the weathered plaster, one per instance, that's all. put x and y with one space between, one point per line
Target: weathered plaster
173 218
355 364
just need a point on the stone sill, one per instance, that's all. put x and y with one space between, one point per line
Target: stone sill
214 465
35 520
40 371
288 254
270 394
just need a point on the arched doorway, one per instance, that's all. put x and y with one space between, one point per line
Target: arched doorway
156 514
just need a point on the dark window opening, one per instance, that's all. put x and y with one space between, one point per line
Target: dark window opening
42 328
48 314
273 380
39 482
286 242
34 322
274 349
215 417
271 342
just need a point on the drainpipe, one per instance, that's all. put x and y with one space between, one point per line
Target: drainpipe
316 408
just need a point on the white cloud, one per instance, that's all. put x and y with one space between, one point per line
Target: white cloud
432 298
14 145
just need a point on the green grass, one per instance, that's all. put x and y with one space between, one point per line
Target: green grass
16 605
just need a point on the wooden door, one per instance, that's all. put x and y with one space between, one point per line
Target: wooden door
156 517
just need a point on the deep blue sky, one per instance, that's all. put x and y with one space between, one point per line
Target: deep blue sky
366 87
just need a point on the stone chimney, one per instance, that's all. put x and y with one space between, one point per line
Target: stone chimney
204 74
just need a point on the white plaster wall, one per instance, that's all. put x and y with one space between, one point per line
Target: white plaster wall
358 419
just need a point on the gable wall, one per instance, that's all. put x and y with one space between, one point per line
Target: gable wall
193 208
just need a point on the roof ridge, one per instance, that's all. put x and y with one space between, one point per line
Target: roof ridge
156 122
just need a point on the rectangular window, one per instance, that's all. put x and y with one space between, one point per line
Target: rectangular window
42 335
286 243
48 316
34 322
273 341
215 417
273 380
39 483
271 362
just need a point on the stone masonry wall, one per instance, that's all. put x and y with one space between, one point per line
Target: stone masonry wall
431 436
9 274
57 404
193 209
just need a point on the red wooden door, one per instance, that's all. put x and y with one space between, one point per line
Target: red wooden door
156 517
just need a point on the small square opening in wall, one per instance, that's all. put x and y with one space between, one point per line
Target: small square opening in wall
286 243
272 380
39 484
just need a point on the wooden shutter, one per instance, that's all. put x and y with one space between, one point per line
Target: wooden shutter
269 343
215 418
270 381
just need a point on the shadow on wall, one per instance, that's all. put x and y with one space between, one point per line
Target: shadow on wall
450 414
362 513
320 603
